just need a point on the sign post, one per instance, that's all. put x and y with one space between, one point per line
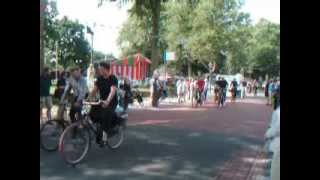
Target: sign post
168 56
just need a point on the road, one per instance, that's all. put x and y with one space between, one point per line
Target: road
175 142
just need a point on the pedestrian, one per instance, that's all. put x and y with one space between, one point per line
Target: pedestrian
249 87
255 87
179 90
61 84
188 83
155 90
184 89
206 87
276 94
164 89
233 90
243 88
45 97
266 91
270 89
128 96
200 85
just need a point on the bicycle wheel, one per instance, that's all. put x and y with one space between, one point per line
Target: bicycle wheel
115 137
50 134
74 143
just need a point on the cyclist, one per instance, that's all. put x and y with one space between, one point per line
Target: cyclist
78 85
200 85
106 84
222 84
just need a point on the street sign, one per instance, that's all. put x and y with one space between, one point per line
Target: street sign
169 56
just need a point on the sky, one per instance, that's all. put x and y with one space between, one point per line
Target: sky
110 17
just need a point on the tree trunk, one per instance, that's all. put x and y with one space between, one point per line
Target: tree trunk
189 69
42 9
155 34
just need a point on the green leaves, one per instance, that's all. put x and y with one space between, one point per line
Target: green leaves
199 30
66 38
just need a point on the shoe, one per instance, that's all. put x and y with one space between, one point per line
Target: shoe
104 137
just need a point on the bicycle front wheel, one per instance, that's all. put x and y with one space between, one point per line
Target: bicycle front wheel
74 143
50 134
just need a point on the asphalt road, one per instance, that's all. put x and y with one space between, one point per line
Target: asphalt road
174 142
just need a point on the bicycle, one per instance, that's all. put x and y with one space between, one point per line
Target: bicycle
50 132
81 133
198 98
221 97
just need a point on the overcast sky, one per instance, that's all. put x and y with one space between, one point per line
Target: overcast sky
109 18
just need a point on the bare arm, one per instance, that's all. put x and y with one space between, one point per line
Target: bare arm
93 92
66 90
111 95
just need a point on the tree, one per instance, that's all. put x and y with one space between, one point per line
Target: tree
73 48
145 8
43 4
265 49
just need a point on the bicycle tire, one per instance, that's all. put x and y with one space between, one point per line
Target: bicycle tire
61 125
119 132
76 127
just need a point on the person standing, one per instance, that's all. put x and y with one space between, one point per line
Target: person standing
200 85
266 91
255 87
155 91
233 89
243 89
45 97
276 94
184 89
206 87
62 82
179 90
128 96
270 91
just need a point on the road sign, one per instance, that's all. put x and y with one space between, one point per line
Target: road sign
169 56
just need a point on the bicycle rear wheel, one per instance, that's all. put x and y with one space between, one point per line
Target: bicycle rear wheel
50 134
115 138
74 143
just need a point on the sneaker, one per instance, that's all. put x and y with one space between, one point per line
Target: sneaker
104 136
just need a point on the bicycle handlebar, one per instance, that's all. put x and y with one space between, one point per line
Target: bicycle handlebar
91 103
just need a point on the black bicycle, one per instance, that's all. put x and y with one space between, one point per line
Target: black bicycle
51 131
221 97
76 139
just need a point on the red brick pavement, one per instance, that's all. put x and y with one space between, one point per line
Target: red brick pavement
249 118
241 118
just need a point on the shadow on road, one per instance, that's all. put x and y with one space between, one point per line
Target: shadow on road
151 153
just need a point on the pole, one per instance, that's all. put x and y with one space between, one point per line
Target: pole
91 48
57 61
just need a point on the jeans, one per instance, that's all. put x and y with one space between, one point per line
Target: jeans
73 111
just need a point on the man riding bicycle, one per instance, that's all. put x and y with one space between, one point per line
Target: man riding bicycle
78 85
200 90
106 85
222 85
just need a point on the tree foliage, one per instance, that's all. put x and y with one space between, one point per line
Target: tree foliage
64 40
208 31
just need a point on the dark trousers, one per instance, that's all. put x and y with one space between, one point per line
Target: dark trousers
104 116
73 111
